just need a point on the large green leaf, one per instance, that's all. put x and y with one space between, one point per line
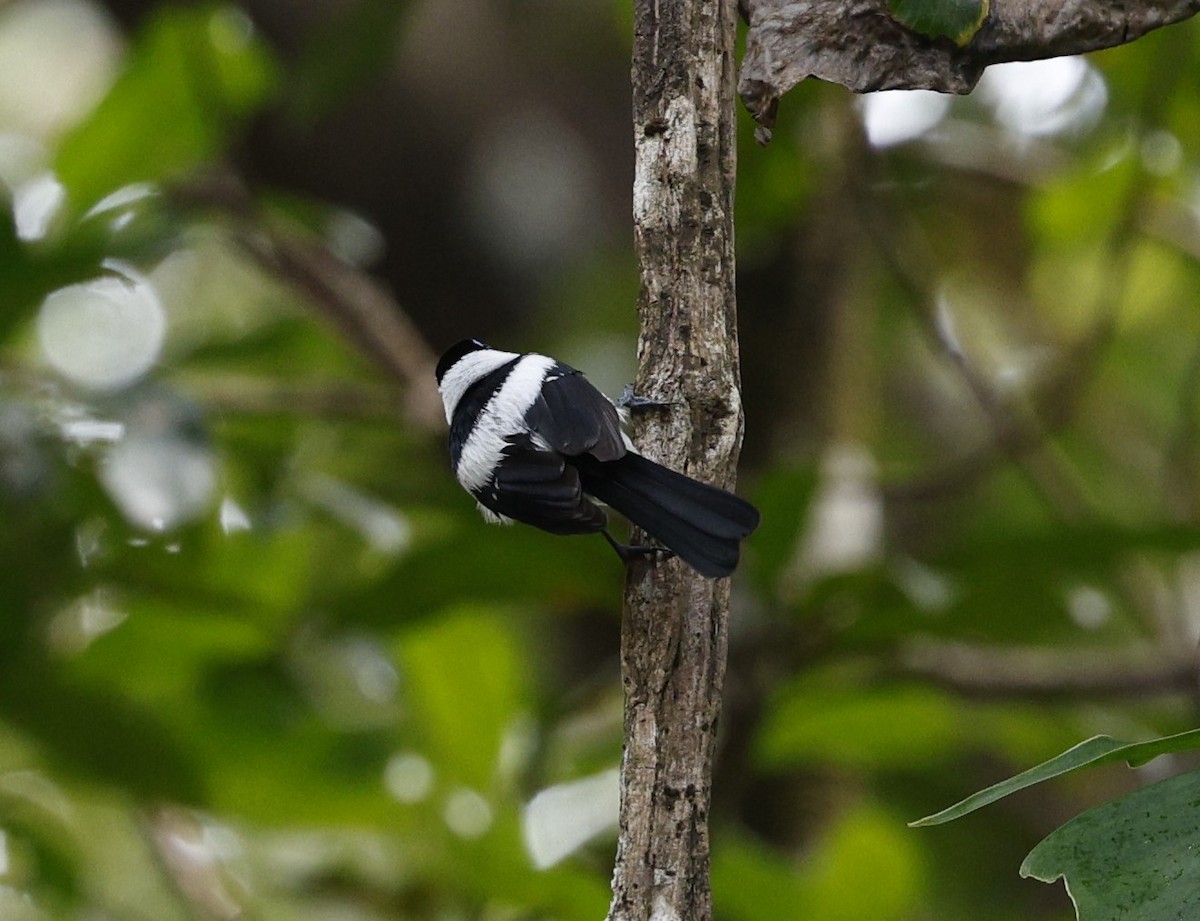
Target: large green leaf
863 866
866 868
465 676
31 825
31 270
753 883
191 74
496 870
786 492
89 730
1133 859
465 558
861 727
1094 751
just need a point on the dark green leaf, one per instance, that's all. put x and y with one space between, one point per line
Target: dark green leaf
753 883
1094 751
34 826
862 866
785 493
465 676
100 735
1133 859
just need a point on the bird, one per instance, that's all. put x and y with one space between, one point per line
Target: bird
532 440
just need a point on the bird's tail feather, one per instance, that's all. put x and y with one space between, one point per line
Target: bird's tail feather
704 525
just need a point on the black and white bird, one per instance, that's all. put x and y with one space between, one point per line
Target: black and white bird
533 441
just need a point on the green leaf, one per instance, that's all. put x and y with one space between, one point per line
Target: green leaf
865 868
1095 751
1052 559
856 727
496 869
100 735
464 675
861 866
191 73
1133 859
957 20
31 270
753 883
469 559
31 825
787 492
1068 217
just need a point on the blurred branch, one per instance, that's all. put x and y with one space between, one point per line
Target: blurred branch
188 861
1019 436
1049 673
368 315
987 150
1019 432
248 393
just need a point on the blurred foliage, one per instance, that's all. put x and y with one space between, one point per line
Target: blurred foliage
191 75
259 655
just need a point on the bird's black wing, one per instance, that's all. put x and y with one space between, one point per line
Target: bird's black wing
574 418
539 488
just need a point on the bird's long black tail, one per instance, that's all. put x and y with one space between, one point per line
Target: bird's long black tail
702 524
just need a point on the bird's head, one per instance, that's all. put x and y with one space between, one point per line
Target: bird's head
451 356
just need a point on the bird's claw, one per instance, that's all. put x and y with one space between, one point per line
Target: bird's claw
630 553
631 401
648 553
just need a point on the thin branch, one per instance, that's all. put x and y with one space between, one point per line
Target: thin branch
1175 225
1182 463
269 395
370 317
1049 673
1017 431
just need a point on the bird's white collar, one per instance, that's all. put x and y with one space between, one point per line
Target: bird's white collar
466 371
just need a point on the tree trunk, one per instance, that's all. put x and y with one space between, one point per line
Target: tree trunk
674 630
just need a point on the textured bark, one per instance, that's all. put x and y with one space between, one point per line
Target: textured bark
674 630
858 44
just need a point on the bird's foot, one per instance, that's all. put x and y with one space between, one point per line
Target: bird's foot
631 401
631 552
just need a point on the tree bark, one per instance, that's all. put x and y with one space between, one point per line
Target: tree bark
863 46
674 630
